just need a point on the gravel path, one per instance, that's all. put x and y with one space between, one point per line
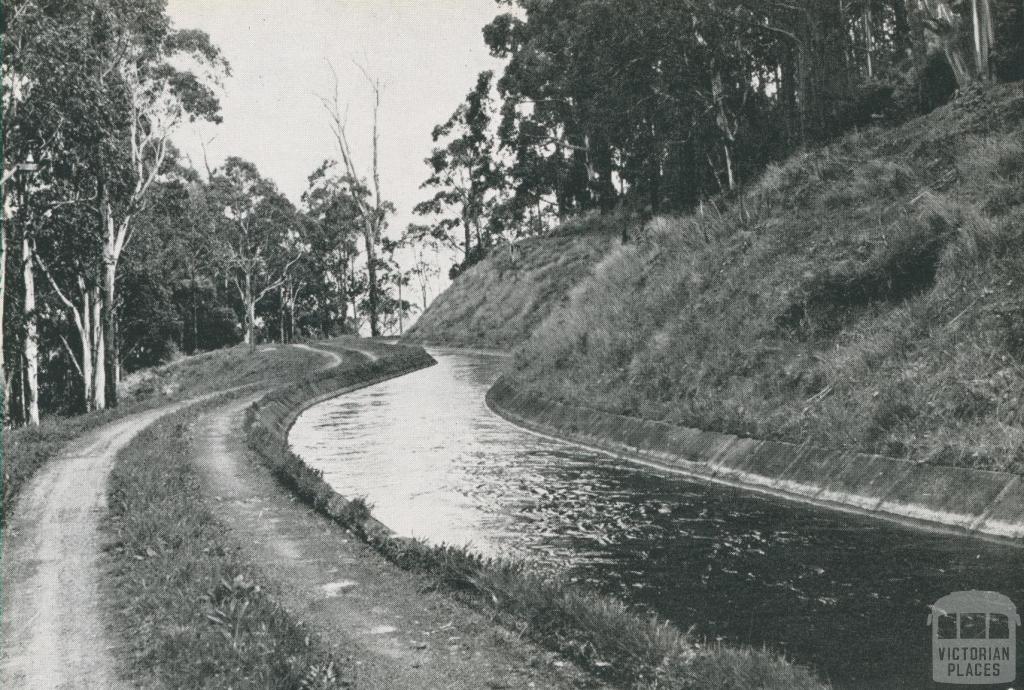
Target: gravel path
398 634
52 633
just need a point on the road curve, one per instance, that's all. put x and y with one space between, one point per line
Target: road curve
53 633
52 630
334 356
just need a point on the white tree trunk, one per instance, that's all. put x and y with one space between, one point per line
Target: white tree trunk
111 253
984 35
728 168
99 378
84 335
250 314
3 297
31 351
869 40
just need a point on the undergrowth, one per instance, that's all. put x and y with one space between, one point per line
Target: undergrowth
197 612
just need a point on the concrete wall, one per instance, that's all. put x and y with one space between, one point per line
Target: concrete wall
270 419
963 500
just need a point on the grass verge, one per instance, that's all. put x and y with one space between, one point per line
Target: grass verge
198 612
598 632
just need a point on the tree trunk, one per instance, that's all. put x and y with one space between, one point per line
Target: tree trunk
869 40
352 294
280 313
400 327
984 36
730 175
31 344
22 408
3 301
371 270
250 314
803 92
99 371
109 276
84 337
195 317
8 387
291 321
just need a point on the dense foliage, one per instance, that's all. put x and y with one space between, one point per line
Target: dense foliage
116 254
659 104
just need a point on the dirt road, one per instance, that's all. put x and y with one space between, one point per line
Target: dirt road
399 634
52 632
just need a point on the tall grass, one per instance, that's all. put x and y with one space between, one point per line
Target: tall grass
868 294
497 303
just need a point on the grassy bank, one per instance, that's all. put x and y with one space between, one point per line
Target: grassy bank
597 632
499 302
27 449
865 295
868 294
198 612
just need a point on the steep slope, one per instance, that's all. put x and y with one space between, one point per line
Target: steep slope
500 301
869 294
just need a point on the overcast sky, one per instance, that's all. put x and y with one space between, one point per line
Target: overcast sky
428 54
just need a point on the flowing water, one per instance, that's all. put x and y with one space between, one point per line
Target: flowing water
848 595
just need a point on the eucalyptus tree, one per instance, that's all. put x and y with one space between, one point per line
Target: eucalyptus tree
396 309
373 207
464 170
44 92
99 86
334 224
256 233
160 96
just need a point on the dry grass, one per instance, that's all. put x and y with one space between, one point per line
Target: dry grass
869 294
500 301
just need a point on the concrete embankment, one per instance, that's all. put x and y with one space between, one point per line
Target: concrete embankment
972 501
271 418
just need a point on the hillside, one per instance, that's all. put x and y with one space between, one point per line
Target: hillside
869 294
500 301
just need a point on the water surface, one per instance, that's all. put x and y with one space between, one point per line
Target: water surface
846 594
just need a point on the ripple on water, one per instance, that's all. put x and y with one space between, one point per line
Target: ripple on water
846 594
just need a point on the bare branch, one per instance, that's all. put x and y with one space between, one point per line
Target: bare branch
71 352
76 312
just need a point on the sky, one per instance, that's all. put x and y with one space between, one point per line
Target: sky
427 53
